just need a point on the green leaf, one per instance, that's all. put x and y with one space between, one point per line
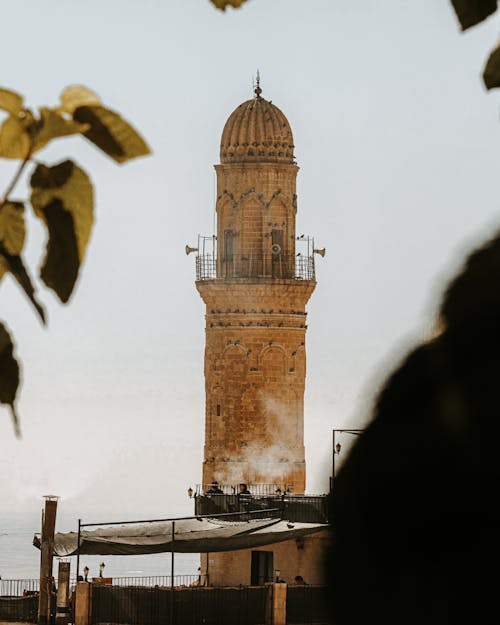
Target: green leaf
471 12
53 125
15 140
9 375
10 101
12 235
63 198
111 133
491 73
222 4
75 96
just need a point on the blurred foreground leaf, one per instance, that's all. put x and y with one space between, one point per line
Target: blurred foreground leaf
471 12
12 235
15 140
10 101
63 198
111 133
12 229
9 375
53 125
491 74
222 4
75 96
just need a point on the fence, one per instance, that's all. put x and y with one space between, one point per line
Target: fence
188 606
18 587
161 581
19 600
294 508
255 489
276 266
307 605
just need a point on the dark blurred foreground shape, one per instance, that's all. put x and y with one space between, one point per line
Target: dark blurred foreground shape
415 506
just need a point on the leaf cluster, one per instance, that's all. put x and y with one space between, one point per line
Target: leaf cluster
223 4
470 13
62 198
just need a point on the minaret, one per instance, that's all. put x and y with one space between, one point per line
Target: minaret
255 285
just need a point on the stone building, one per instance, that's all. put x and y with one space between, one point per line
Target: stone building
255 278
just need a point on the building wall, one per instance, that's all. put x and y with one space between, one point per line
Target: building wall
253 199
306 558
255 368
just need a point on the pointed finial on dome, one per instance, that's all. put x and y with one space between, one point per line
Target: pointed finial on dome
257 89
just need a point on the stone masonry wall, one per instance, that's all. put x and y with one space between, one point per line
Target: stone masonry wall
305 557
255 366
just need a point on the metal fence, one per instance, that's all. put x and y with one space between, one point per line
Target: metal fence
275 266
161 581
19 609
255 489
18 587
19 600
295 508
189 606
307 605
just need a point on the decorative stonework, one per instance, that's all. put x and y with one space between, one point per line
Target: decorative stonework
257 131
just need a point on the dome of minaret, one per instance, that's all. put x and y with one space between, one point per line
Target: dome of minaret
257 131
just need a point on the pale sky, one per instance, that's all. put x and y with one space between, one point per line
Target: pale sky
398 144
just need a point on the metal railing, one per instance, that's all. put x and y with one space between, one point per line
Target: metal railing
18 587
294 508
161 581
19 600
184 606
255 489
275 266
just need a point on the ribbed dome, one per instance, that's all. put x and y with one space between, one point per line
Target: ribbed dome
257 131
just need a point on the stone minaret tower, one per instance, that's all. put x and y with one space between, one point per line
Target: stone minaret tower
255 289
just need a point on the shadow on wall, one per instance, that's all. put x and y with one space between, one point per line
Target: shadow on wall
415 504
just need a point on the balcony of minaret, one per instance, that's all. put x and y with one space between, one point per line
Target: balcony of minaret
216 262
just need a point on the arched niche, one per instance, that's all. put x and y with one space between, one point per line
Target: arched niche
251 209
273 362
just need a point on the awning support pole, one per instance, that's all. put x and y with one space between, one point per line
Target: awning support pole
172 560
78 550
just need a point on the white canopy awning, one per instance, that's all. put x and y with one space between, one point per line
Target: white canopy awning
201 535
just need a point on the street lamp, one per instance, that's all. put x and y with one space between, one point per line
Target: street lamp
336 447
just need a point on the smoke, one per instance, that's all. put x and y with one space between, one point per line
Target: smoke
279 446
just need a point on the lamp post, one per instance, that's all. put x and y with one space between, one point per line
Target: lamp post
336 447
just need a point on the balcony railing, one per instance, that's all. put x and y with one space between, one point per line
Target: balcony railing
294 508
233 489
274 266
